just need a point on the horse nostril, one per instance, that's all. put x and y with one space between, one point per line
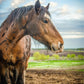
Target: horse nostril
53 47
61 45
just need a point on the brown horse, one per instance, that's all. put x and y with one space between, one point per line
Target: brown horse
15 40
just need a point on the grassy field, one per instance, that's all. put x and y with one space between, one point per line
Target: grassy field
55 64
42 61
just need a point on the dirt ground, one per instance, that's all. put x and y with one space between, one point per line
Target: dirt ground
52 76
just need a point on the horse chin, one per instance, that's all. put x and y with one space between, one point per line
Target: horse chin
55 50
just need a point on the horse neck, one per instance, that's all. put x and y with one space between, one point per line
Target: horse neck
12 32
11 35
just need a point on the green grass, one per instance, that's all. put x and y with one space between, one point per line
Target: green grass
55 64
80 70
31 58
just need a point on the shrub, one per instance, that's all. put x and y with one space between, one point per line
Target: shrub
56 56
43 57
37 56
80 57
73 56
68 56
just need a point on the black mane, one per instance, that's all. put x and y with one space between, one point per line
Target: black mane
17 13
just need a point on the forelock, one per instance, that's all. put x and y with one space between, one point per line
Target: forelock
46 15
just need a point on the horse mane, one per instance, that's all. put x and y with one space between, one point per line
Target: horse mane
16 13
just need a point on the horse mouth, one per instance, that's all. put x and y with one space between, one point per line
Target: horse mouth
56 50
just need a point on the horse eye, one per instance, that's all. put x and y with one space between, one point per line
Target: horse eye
45 21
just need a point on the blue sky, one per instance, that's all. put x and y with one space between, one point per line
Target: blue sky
67 16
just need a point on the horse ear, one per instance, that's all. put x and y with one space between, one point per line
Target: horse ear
37 6
48 6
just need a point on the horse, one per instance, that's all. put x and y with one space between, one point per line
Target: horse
15 39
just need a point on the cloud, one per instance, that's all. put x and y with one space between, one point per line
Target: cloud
15 3
68 35
78 33
64 10
67 13
79 11
3 14
53 7
79 14
33 2
53 4
29 3
41 1
73 36
76 16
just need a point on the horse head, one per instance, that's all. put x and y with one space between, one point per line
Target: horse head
36 22
42 29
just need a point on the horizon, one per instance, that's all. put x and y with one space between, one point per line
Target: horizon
67 16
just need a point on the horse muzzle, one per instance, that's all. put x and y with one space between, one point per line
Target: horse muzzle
57 47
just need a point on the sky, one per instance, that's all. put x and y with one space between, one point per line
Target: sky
66 15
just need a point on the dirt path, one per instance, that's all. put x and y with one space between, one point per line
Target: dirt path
47 76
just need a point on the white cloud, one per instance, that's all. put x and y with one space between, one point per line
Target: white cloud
79 11
15 3
79 14
33 2
73 35
53 4
60 11
3 14
76 16
53 7
67 13
65 9
41 1
30 3
68 16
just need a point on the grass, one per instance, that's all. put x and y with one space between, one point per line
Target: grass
80 70
55 64
42 61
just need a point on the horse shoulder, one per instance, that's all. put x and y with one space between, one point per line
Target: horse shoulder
22 49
